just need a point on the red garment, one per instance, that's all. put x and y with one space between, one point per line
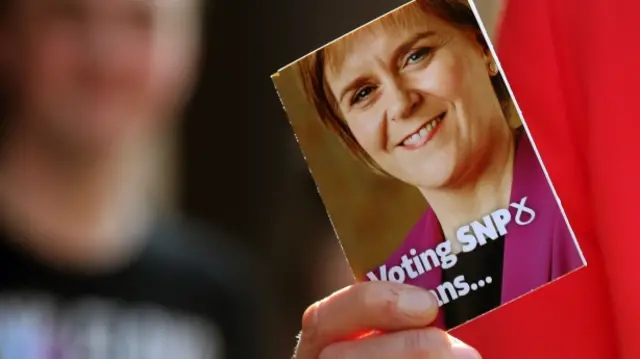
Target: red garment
574 66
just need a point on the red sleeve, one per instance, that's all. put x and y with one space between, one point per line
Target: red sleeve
573 66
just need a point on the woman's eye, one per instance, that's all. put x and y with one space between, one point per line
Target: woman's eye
361 94
418 55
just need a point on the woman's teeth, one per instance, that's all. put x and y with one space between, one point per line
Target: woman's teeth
422 132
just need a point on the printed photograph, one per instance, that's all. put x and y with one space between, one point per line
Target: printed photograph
424 162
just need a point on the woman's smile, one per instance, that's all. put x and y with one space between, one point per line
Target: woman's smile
422 135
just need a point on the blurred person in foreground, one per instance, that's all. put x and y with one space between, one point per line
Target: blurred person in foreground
89 267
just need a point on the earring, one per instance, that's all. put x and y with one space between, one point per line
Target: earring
493 68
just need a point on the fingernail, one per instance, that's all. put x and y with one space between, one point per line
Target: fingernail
461 350
415 302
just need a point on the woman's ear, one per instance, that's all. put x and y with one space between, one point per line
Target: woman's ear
492 65
484 50
484 46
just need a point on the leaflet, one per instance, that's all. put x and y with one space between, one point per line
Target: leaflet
424 162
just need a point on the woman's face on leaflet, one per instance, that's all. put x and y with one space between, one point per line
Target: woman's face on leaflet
416 93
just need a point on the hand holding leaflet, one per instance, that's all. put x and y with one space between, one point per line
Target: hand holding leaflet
424 162
404 313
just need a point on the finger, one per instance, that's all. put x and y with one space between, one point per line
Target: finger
363 307
367 306
426 343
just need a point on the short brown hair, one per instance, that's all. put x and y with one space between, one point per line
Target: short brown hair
312 72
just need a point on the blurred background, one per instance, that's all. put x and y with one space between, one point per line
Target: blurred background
233 161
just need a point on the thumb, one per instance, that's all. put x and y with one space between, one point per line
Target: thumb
460 350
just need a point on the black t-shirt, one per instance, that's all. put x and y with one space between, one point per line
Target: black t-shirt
476 266
176 300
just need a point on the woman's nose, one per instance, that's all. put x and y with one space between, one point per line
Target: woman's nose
402 102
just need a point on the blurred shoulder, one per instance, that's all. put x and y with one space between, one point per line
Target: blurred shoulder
202 270
203 250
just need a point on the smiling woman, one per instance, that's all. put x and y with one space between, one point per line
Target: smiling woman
391 87
409 42
418 96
